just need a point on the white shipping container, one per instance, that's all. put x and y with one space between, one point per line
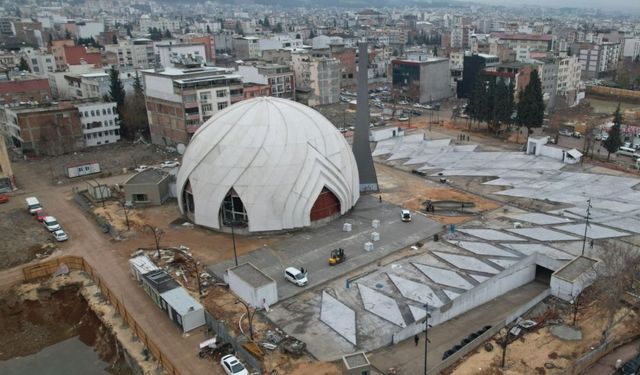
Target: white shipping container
82 169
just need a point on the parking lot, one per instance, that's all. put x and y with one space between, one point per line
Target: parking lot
311 248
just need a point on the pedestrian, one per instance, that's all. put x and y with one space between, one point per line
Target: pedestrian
416 339
467 138
591 244
380 198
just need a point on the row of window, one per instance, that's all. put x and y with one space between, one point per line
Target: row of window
97 112
97 124
101 134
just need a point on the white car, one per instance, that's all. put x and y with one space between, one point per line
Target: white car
232 366
405 215
403 118
296 276
141 168
51 223
60 235
170 164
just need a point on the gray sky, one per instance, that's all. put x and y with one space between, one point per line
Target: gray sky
623 5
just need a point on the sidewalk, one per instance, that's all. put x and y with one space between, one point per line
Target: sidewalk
408 359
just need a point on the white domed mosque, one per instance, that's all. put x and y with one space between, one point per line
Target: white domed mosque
268 164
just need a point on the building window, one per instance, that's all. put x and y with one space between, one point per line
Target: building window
204 97
104 111
206 107
221 93
109 110
222 106
139 197
93 113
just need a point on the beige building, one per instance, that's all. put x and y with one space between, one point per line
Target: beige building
7 182
320 77
149 187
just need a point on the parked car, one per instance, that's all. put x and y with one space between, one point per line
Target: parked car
405 215
51 223
232 365
631 367
60 235
141 168
576 135
296 276
565 132
33 205
40 215
4 198
415 112
403 118
170 164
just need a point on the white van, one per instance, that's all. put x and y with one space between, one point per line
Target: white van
33 205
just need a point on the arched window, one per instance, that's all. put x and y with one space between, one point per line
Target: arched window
233 211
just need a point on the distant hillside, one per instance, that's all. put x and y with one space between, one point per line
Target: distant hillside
334 3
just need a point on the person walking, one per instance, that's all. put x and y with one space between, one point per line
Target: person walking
416 339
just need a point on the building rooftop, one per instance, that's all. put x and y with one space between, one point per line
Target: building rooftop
181 301
429 60
355 360
541 37
148 176
251 275
160 280
575 268
181 72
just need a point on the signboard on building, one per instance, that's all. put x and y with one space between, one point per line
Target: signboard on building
82 169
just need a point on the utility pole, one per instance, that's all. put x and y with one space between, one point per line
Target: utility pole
574 302
126 212
586 225
426 336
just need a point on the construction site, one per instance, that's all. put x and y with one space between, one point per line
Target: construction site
498 239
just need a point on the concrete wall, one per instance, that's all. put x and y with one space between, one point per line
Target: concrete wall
617 94
192 320
386 133
251 295
570 289
157 194
515 276
268 293
434 81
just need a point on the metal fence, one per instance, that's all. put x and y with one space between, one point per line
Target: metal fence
221 329
48 268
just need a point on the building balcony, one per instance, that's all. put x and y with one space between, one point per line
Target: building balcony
191 128
192 116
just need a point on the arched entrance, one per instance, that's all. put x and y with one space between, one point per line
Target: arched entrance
326 205
187 201
232 210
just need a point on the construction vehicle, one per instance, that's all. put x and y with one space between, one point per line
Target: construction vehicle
337 256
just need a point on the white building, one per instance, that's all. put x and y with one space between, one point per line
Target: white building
323 41
136 53
161 23
40 62
268 164
169 52
100 123
598 60
569 70
279 77
280 42
89 29
631 47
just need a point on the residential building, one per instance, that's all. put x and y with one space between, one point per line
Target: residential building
40 62
597 59
247 47
279 77
135 53
422 81
43 129
522 44
179 99
252 90
76 55
100 123
278 42
88 85
631 48
456 64
89 29
9 60
205 39
25 89
171 53
57 50
319 77
569 72
160 23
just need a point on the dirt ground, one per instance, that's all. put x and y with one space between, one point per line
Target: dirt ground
530 353
23 237
410 191
31 323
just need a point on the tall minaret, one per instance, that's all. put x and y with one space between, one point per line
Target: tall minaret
361 148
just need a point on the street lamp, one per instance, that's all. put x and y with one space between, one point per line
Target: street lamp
586 225
157 235
574 303
249 315
125 208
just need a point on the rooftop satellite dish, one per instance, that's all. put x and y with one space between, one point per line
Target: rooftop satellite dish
181 148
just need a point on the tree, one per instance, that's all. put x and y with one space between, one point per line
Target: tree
114 39
134 113
167 34
312 35
187 30
23 66
50 39
67 34
617 274
155 34
128 28
208 29
614 141
238 28
531 104
266 22
117 95
278 28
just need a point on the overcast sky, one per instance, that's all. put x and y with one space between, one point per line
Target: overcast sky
623 5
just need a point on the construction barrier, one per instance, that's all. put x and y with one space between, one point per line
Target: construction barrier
74 263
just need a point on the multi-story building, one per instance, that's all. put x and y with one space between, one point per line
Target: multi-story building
422 81
204 39
318 76
523 44
25 89
9 60
279 77
472 66
597 59
88 85
135 53
569 71
456 64
43 129
180 99
40 62
57 50
168 52
160 23
100 123
631 48
247 47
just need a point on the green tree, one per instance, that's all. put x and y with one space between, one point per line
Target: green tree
614 141
312 34
134 113
137 85
117 95
266 23
187 30
114 40
208 29
278 28
531 104
167 34
23 66
473 105
238 28
67 34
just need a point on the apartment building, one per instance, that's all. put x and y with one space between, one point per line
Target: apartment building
597 59
279 77
523 44
569 72
135 53
247 47
179 99
318 76
100 123
26 88
160 23
170 53
422 81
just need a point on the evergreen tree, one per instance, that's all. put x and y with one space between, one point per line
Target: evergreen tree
50 39
613 143
208 29
531 104
239 28
128 28
23 66
473 105
266 23
117 94
114 40
167 34
278 28
134 113
312 35
67 34
187 30
137 85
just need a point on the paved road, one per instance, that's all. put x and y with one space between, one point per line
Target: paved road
99 250
310 249
606 364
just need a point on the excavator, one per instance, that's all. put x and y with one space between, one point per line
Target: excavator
337 256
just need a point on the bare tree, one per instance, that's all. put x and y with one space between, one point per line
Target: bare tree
617 284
